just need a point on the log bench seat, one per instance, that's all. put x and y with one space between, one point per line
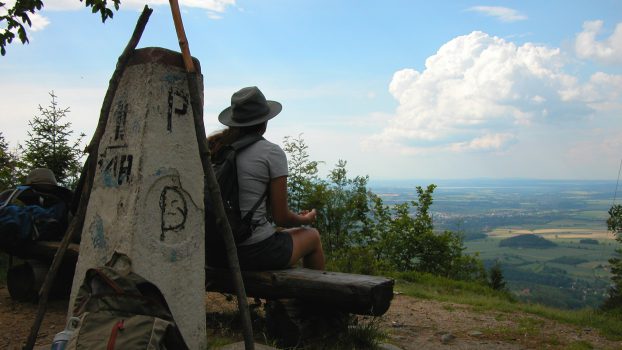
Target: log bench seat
26 278
357 294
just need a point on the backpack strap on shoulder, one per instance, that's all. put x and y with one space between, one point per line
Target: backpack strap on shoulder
245 141
249 215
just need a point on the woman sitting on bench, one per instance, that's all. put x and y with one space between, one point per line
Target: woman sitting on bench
262 177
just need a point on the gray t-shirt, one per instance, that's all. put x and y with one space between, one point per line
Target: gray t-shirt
257 165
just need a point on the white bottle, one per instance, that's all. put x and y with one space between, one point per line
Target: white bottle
61 339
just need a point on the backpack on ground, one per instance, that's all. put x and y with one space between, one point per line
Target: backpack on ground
30 213
225 169
122 312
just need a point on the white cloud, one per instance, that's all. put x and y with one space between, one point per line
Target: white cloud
38 22
608 50
478 90
504 14
485 143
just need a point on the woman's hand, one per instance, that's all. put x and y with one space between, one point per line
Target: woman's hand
308 216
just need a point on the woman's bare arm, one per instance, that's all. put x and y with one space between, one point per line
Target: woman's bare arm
280 209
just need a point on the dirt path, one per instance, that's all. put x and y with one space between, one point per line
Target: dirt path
425 324
411 324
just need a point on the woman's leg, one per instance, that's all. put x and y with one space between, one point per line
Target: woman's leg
308 246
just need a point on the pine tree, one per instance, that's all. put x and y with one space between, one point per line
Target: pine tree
614 224
8 166
497 281
48 145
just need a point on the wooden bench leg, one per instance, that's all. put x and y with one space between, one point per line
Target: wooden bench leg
294 322
25 280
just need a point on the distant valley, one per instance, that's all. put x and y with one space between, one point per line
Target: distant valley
570 272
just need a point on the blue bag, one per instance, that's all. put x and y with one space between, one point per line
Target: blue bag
28 215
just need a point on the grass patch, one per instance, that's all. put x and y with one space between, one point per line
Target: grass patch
362 333
482 298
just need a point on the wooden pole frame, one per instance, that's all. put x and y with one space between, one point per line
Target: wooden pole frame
210 182
86 178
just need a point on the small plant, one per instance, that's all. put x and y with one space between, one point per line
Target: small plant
362 333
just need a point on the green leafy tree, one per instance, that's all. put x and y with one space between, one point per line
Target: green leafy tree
614 224
361 234
8 166
48 145
302 173
409 242
15 18
344 215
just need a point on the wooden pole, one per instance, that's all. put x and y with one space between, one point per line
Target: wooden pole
210 181
88 174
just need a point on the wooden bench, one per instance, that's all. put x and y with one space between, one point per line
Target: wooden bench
24 280
358 294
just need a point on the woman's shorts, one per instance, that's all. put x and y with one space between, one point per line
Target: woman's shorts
272 253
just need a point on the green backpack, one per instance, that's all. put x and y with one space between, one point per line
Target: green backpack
122 312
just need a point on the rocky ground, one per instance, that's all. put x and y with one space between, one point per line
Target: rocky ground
410 324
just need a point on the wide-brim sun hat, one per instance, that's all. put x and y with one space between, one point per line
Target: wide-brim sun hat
249 107
43 179
41 176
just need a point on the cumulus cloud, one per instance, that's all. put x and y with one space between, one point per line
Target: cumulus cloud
38 22
607 51
478 91
504 14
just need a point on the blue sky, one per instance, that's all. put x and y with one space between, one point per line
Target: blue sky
399 89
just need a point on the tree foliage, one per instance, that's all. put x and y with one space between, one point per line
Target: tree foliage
8 166
49 146
614 224
361 234
17 17
496 280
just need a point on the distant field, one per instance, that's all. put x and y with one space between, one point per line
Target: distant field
585 283
554 233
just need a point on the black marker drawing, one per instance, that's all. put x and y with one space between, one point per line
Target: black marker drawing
174 210
175 98
125 168
120 117
117 168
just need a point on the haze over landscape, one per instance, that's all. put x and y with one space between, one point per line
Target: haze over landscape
400 89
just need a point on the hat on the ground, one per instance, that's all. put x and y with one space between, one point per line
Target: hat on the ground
249 107
41 176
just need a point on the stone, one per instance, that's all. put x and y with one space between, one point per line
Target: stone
147 196
475 334
446 338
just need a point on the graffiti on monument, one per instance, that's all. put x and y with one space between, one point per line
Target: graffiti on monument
120 118
116 168
177 104
174 210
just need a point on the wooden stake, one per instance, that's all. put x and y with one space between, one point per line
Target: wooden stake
87 176
210 182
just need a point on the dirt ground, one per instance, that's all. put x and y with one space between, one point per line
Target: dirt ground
410 324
